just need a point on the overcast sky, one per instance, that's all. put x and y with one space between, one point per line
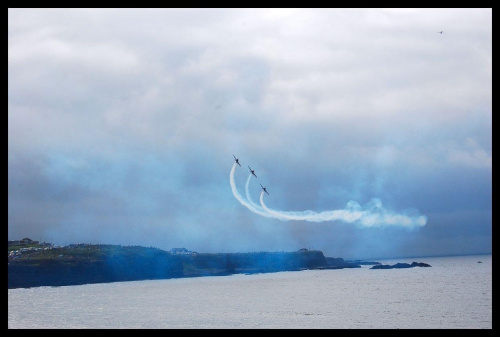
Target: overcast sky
123 123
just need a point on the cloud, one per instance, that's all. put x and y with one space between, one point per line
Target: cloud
122 122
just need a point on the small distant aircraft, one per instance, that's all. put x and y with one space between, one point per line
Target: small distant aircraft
253 171
264 189
441 32
236 160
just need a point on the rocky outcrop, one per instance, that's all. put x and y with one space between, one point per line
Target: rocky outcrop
400 265
338 263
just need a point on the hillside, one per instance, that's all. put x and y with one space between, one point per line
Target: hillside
86 263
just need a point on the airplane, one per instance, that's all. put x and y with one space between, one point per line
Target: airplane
236 160
264 189
253 171
441 32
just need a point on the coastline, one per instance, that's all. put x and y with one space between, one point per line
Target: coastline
87 263
78 264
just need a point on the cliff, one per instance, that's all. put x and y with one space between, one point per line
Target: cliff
83 264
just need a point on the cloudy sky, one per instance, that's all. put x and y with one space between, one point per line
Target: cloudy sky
371 131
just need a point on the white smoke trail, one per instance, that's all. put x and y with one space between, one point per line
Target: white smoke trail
258 207
251 206
373 215
247 193
345 215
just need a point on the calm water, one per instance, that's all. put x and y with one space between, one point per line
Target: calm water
456 292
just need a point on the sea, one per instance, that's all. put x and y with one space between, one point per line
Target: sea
454 293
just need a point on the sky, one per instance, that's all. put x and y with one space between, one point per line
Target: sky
370 129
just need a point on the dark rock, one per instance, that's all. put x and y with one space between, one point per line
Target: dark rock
338 263
401 265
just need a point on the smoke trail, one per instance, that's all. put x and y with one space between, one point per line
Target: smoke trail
247 193
261 210
345 215
251 206
374 215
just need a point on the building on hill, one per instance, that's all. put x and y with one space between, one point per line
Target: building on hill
28 241
181 251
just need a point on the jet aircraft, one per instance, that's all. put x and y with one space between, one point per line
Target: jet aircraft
236 160
441 32
253 172
264 189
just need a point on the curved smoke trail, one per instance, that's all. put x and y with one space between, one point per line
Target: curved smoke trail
347 215
251 206
258 208
247 193
373 214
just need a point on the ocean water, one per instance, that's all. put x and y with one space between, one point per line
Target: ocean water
455 293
